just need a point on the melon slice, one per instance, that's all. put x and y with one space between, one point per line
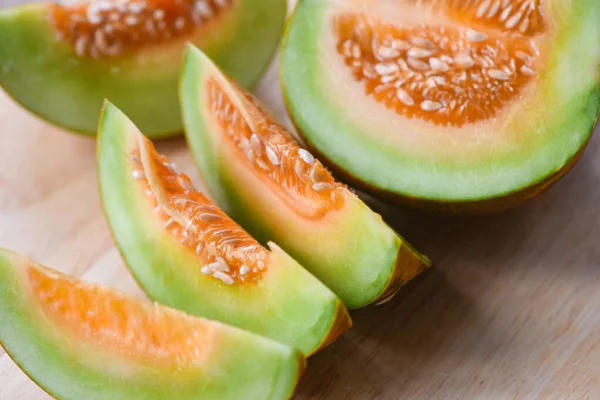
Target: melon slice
470 106
278 191
186 253
62 61
78 341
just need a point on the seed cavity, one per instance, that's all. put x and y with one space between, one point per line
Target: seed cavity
223 249
112 28
273 154
444 75
522 16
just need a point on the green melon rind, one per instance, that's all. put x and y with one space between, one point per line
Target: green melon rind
352 251
555 133
44 75
288 304
240 365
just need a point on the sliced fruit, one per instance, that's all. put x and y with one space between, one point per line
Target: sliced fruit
462 105
277 190
62 61
79 341
186 253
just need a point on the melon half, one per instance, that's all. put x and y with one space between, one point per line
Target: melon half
464 105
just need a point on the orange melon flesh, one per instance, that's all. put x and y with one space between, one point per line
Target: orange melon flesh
219 243
447 76
278 191
110 29
274 156
187 253
79 340
445 104
158 337
518 16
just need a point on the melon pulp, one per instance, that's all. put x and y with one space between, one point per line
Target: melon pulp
462 105
62 61
78 340
188 254
259 174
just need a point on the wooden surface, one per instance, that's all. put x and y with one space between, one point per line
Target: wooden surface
511 309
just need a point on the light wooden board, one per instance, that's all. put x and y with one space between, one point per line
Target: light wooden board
511 309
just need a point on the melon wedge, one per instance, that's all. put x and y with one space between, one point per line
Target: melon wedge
188 254
60 61
78 340
278 191
467 106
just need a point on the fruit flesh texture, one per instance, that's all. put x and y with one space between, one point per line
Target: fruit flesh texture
62 62
447 96
278 299
83 341
219 243
515 141
278 191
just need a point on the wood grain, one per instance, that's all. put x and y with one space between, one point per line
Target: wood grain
511 309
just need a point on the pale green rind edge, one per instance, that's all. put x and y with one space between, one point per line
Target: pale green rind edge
44 75
367 248
242 365
557 131
288 304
